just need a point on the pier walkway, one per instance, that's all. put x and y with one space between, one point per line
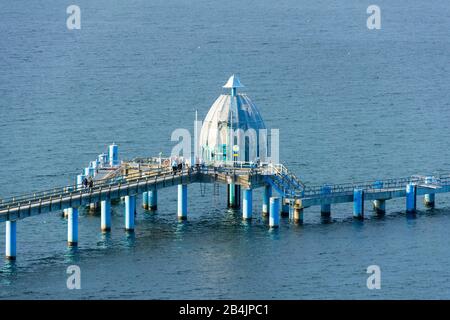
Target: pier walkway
144 176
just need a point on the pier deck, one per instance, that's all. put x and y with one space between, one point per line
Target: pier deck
126 180
146 177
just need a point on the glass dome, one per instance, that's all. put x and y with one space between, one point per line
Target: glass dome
232 128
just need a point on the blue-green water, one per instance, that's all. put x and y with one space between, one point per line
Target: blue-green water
351 104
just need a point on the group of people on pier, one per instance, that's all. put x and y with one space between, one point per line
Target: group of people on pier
88 182
178 163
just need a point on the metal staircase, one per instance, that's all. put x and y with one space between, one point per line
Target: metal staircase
284 181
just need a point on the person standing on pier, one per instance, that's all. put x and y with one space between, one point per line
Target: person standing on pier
85 183
174 166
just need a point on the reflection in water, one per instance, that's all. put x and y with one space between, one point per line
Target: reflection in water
274 233
358 224
71 255
105 240
180 229
411 219
247 224
8 272
326 219
130 240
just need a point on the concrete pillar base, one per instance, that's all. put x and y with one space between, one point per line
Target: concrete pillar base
379 206
298 216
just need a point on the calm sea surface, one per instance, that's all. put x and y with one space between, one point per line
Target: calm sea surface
351 104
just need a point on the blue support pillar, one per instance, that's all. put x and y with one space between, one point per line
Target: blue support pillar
145 200
247 204
411 191
266 199
325 209
153 200
93 206
274 218
298 215
379 205
358 203
429 198
11 238
284 208
234 195
72 227
130 209
231 195
105 215
182 201
80 179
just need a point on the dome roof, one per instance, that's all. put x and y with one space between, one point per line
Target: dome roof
229 111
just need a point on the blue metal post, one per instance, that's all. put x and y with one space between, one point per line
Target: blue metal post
182 201
145 200
106 215
274 218
247 205
72 227
11 238
153 200
358 203
130 204
325 209
428 199
266 199
411 189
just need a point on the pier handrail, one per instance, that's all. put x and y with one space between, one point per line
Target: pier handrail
288 181
161 173
387 184
69 189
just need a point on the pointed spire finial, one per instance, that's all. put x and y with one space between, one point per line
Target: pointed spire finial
233 83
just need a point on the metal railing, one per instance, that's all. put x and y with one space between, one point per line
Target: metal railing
280 176
62 192
285 181
158 174
369 186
